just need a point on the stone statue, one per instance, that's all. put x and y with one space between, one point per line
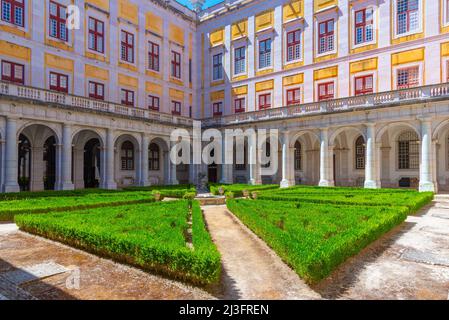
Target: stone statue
203 184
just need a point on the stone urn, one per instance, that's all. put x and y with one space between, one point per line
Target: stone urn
221 191
245 193
157 196
254 195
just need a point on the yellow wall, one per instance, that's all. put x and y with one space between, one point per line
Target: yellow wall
217 95
239 29
176 34
13 50
128 11
237 91
127 81
325 73
363 65
294 79
58 62
264 20
323 4
177 95
265 85
407 56
97 73
154 88
293 10
154 23
102 4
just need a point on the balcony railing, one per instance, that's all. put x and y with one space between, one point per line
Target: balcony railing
412 95
36 94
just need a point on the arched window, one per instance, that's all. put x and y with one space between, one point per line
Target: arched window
360 153
154 157
127 154
267 155
408 150
298 157
238 165
24 163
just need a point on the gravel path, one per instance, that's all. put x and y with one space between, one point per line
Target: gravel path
251 270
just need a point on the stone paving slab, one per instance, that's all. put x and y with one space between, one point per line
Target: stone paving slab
34 272
441 216
425 257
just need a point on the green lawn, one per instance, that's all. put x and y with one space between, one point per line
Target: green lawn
175 191
316 229
64 202
151 236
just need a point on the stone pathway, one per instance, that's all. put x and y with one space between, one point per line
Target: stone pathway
251 270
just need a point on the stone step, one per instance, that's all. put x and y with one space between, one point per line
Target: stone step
212 201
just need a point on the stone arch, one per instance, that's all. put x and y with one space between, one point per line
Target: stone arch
88 159
38 147
127 175
381 131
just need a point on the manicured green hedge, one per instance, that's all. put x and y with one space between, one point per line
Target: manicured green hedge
174 191
303 189
9 208
46 194
315 238
150 236
237 189
412 200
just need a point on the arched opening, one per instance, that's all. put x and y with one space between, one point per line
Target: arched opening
213 169
127 156
92 163
305 159
154 157
240 161
360 151
158 162
408 150
49 158
24 165
298 156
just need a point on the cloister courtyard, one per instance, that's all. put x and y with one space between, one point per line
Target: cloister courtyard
159 243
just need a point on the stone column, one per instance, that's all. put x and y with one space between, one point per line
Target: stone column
2 164
252 164
110 155
372 180
226 168
11 155
144 161
66 157
326 178
173 173
425 170
286 163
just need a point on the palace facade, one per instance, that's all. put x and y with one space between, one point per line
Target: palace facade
358 89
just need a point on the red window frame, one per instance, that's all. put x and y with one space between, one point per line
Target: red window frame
217 108
127 156
58 87
411 83
153 56
176 108
293 44
240 58
239 105
127 46
61 22
265 51
127 97
264 101
97 33
365 87
329 91
14 4
98 90
176 64
407 13
293 96
13 77
326 35
153 103
364 24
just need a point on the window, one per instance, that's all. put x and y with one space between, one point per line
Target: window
265 53
96 35
293 96
154 158
153 103
267 152
364 26
59 82
293 45
127 155
127 97
217 106
127 47
217 67
175 65
408 150
58 16
238 165
325 91
96 90
239 105
298 156
326 36
407 16
360 153
363 85
265 101
13 11
153 56
176 108
407 78
240 60
13 72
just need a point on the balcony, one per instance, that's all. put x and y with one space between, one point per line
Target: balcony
82 103
355 103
